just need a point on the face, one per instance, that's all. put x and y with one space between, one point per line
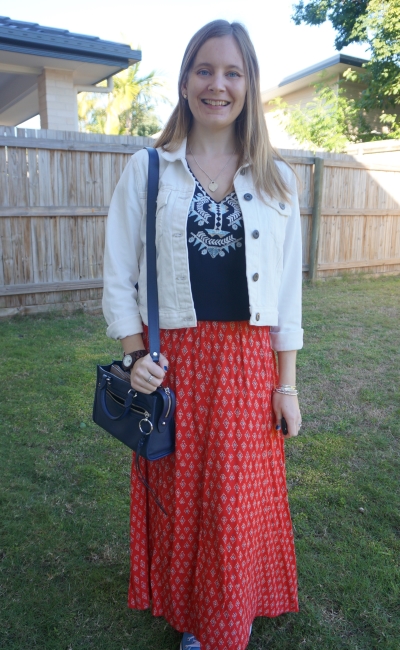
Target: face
216 84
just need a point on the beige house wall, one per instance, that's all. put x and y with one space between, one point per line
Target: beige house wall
302 97
57 100
275 118
280 139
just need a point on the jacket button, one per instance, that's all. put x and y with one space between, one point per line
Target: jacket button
255 277
242 171
282 206
255 234
257 316
248 197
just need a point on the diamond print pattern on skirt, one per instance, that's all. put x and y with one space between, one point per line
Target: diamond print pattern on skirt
225 552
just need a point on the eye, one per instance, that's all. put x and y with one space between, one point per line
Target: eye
233 74
203 73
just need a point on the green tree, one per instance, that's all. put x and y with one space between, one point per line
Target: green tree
377 24
328 122
343 14
128 110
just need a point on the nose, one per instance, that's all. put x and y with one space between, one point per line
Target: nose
217 82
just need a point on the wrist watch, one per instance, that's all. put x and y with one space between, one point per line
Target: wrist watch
130 359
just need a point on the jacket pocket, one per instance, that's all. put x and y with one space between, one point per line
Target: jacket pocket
282 207
279 214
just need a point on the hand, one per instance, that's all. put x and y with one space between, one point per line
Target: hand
288 407
144 370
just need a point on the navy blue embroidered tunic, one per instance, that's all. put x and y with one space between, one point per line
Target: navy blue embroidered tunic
217 262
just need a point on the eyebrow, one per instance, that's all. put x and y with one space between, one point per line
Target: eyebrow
210 65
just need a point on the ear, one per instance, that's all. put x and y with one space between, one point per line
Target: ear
184 89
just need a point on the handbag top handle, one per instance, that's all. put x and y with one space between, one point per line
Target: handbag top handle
152 289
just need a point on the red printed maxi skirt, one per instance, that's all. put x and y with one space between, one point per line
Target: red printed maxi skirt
224 554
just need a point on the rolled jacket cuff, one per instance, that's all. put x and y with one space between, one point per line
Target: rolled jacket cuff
128 326
286 340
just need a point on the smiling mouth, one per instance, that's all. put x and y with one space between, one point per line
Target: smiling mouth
215 102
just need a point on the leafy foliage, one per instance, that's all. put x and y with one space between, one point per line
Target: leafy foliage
377 24
331 121
128 110
381 28
343 15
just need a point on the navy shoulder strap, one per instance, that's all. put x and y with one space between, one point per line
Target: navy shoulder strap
152 289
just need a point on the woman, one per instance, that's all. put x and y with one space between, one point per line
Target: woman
229 271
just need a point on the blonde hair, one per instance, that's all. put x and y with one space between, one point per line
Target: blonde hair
251 129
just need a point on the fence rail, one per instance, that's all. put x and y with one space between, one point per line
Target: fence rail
55 189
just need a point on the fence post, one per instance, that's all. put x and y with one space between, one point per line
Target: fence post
316 217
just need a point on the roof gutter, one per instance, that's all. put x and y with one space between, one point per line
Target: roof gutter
97 89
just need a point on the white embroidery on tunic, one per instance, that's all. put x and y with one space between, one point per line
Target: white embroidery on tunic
227 218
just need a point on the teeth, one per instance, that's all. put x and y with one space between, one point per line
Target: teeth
215 102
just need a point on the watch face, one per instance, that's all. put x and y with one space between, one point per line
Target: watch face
127 360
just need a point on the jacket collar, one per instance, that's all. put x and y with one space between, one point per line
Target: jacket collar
178 154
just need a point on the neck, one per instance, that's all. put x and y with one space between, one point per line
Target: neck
204 141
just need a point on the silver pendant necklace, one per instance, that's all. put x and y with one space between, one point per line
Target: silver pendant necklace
213 185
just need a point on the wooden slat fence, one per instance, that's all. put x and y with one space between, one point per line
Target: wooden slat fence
55 189
359 221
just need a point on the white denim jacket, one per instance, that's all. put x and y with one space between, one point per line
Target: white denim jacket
272 244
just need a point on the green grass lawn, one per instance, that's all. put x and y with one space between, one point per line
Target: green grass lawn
64 492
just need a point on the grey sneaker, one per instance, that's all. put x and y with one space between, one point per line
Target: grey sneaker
189 642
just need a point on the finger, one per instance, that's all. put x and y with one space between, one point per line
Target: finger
278 419
277 410
141 388
148 377
164 364
149 367
146 365
143 384
293 428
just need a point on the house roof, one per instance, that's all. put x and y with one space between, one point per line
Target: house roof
27 48
335 65
34 39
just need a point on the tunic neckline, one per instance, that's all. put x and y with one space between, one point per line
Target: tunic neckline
205 191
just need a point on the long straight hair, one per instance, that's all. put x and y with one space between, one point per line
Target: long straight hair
251 130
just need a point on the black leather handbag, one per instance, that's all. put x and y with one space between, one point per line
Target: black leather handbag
145 423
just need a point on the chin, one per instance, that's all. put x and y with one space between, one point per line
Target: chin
216 121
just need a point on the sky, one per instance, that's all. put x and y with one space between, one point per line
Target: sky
162 29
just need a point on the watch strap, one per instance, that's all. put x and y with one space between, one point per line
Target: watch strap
138 354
